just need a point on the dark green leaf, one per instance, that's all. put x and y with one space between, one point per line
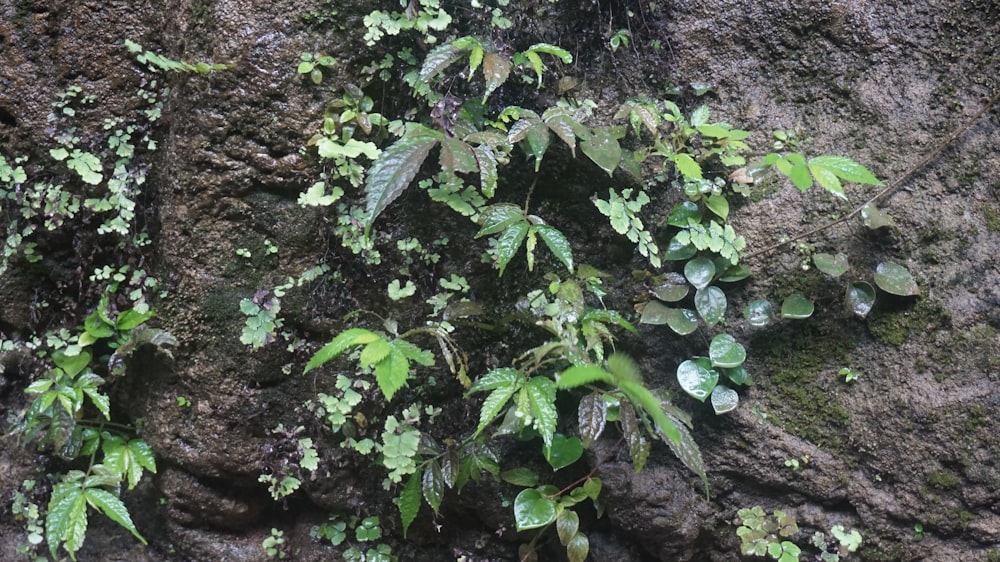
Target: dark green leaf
676 251
725 351
520 477
734 273
533 510
696 379
592 417
541 393
796 306
438 59
711 304
895 279
567 524
682 321
564 451
684 212
637 445
409 501
113 508
71 364
759 313
457 156
395 169
557 243
432 485
738 375
699 272
860 298
499 217
509 242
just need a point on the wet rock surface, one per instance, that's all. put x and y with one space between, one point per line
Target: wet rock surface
912 441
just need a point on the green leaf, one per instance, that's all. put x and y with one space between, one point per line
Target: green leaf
374 352
687 166
759 313
440 58
541 393
557 243
726 352
564 451
796 306
567 525
895 280
860 298
677 250
603 149
520 477
799 174
827 180
409 501
845 169
672 288
640 395
113 508
699 272
738 375
487 161
874 218
494 403
553 50
395 169
499 217
343 341
457 156
564 126
509 242
578 548
533 510
497 378
530 128
71 364
697 378
592 416
391 373
683 321
433 485
579 375
834 266
414 353
638 447
683 213
711 304
718 205
724 399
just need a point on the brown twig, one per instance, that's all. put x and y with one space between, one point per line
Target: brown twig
892 186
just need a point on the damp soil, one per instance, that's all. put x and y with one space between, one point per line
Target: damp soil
912 441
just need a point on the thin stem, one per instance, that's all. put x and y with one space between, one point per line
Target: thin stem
892 186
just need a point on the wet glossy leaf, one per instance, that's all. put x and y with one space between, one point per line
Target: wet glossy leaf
654 313
711 304
834 266
578 548
687 166
718 205
395 169
509 242
682 213
895 279
682 321
541 393
603 148
860 298
533 510
724 399
759 313
672 288
557 243
432 485
409 501
676 251
725 351
520 477
592 416
875 218
738 375
796 307
567 524
564 451
734 273
696 379
637 445
699 272
496 69
439 58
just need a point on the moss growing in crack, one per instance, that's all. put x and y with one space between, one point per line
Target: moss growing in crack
894 327
795 386
991 214
943 480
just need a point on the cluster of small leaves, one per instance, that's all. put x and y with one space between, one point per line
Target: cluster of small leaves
841 545
154 61
762 534
623 213
514 228
274 544
285 461
262 312
27 512
424 16
336 529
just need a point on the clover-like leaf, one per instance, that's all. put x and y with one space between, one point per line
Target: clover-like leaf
564 451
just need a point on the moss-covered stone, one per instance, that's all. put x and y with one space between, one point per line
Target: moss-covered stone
894 327
991 214
943 480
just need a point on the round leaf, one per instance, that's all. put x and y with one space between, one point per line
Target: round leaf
895 279
711 304
676 251
834 266
735 273
860 298
759 313
725 351
699 272
738 375
683 321
682 213
724 399
796 307
718 205
533 510
697 380
654 313
672 288
567 525
564 451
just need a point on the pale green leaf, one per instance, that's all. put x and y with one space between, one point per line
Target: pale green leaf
895 279
860 298
845 169
719 205
579 375
343 341
391 373
710 303
687 166
797 307
541 392
603 149
726 352
578 548
567 525
533 510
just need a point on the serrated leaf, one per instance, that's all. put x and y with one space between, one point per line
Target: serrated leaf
895 280
687 166
497 378
509 242
638 447
710 303
113 508
796 307
457 156
724 399
860 298
567 525
496 69
697 379
409 501
374 352
487 161
392 173
603 149
432 485
845 169
533 510
391 373
440 58
557 243
592 416
541 392
726 352
834 266
343 341
553 50
414 353
493 404
699 116
578 548
686 449
639 395
497 218
579 375
564 451
66 521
